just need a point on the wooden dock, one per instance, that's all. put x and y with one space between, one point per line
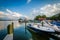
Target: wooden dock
8 37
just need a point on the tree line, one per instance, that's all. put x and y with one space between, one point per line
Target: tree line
54 17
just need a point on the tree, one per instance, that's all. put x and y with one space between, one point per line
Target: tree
43 16
55 17
37 17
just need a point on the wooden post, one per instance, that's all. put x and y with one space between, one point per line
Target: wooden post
10 28
25 25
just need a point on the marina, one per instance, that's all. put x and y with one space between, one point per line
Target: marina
20 34
29 19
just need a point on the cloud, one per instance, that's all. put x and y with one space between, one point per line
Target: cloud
48 10
14 14
11 15
8 11
1 14
28 1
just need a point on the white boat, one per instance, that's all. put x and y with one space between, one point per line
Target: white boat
41 29
47 27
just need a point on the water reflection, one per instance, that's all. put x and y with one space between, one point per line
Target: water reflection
3 27
44 36
4 24
19 33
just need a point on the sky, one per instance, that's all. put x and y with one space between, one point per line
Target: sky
14 9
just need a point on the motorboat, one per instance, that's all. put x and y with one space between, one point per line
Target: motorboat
37 28
46 28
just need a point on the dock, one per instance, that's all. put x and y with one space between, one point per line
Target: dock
8 37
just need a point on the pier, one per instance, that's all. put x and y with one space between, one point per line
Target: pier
9 35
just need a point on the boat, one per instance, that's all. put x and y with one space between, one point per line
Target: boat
43 29
46 28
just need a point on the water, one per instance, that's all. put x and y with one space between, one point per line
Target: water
21 34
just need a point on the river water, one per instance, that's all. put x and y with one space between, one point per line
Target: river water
20 33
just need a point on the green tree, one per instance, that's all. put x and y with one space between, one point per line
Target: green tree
55 17
43 16
37 17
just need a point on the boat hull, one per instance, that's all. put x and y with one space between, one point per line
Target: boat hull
38 31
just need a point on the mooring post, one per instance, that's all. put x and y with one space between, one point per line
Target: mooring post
10 28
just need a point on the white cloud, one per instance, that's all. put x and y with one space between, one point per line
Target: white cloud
48 10
8 11
11 15
1 14
28 1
